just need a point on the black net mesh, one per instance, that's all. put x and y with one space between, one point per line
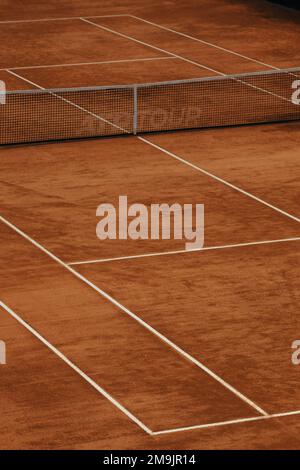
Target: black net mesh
44 115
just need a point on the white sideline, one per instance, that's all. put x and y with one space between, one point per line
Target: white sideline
225 423
28 67
76 369
128 312
176 252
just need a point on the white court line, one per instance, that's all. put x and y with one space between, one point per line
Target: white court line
265 415
59 19
176 252
89 63
217 178
226 423
230 51
96 116
76 369
145 325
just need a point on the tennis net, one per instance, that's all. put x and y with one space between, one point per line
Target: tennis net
63 114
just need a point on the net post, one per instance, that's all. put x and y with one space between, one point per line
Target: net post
135 109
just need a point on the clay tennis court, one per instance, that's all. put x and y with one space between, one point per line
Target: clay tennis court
140 344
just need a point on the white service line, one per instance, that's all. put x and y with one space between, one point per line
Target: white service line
225 423
153 47
177 252
59 19
73 366
217 178
193 38
90 113
128 312
143 59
